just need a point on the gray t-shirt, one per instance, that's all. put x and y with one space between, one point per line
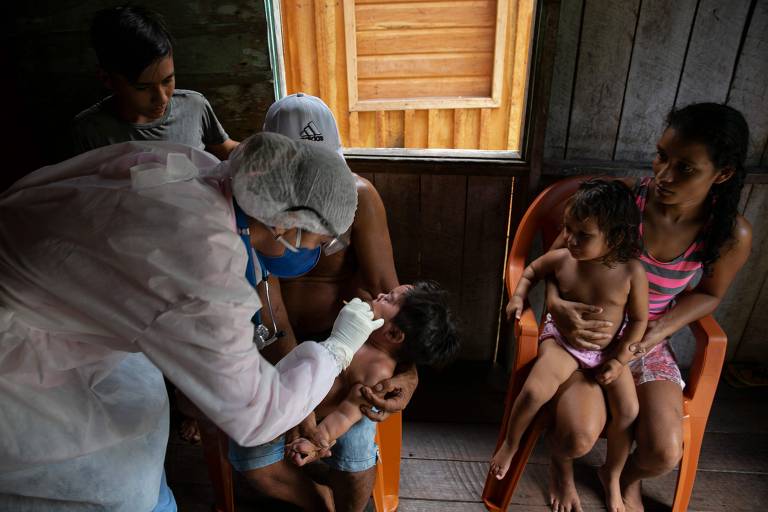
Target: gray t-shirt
189 119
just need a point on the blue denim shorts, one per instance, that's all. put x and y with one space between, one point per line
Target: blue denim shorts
355 451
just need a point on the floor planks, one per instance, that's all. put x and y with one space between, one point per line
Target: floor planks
444 462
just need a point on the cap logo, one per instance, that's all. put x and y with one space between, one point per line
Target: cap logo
310 132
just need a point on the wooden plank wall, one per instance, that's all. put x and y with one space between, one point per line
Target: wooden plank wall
621 66
452 229
315 62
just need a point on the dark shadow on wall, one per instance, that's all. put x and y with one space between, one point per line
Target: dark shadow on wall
49 70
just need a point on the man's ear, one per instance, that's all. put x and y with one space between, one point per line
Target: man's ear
725 174
394 334
105 78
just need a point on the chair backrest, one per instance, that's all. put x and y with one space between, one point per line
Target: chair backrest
544 216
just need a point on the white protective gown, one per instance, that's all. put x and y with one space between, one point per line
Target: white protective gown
98 277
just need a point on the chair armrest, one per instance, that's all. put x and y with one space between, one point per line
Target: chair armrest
711 343
527 342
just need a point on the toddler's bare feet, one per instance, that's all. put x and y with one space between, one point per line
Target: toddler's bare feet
501 460
562 489
612 490
633 496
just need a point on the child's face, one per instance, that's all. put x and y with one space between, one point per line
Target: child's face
387 305
584 239
146 99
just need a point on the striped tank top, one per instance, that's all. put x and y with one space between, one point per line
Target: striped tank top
666 280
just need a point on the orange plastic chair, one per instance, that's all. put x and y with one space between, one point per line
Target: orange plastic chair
385 490
544 216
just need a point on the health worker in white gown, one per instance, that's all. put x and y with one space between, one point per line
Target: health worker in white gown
125 264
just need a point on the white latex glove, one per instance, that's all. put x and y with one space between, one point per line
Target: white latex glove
350 330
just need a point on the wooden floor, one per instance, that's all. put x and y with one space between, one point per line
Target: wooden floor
445 453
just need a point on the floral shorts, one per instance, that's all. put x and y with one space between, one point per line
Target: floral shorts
658 364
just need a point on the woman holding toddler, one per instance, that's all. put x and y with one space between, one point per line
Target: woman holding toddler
694 242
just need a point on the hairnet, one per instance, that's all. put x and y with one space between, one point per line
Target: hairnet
281 182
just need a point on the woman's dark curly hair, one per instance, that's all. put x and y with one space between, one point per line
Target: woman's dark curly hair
431 336
612 205
724 132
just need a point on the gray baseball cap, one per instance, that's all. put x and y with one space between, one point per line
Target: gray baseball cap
304 117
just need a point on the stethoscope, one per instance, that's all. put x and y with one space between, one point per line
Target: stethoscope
261 335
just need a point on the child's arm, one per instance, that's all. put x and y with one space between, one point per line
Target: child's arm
637 321
539 268
340 420
333 426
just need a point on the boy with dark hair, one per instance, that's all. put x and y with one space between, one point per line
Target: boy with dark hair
135 54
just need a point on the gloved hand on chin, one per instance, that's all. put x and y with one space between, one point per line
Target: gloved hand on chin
350 330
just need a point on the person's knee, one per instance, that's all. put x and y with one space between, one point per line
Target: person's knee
659 454
625 413
354 477
351 489
574 444
262 479
533 395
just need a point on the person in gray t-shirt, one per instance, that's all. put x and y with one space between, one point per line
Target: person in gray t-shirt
135 57
188 119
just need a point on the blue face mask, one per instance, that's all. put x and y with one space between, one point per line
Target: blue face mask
290 264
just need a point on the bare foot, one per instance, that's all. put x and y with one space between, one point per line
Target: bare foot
501 460
633 496
189 431
612 490
562 489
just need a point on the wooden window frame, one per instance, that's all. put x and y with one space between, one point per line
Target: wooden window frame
527 163
358 105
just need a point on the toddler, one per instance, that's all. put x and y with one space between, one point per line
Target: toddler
597 267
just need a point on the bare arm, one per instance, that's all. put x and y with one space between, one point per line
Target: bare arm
390 395
371 242
539 268
373 250
341 419
338 421
222 151
637 313
637 321
704 299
